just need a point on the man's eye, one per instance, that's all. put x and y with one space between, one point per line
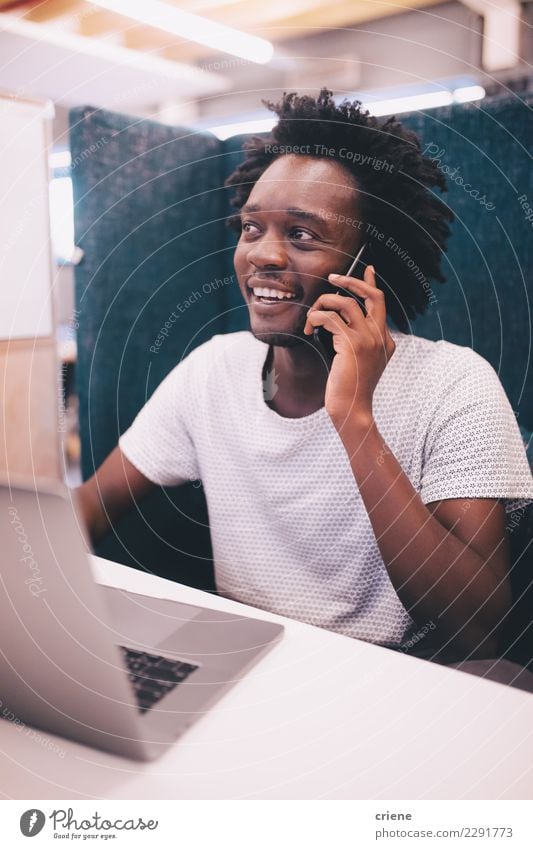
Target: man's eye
247 224
304 235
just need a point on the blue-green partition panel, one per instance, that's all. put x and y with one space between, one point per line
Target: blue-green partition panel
486 302
148 206
237 318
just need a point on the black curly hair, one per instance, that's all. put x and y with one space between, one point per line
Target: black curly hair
395 198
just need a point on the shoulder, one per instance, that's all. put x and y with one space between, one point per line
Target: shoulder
445 361
214 367
436 380
217 350
202 371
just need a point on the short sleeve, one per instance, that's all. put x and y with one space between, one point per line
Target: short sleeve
159 441
474 448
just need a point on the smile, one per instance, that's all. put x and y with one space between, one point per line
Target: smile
269 296
270 299
266 295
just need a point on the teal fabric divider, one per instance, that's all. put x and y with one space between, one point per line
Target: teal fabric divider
486 302
237 318
148 208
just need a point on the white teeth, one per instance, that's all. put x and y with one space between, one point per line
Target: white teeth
272 293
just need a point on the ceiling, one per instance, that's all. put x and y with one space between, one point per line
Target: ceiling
65 49
276 20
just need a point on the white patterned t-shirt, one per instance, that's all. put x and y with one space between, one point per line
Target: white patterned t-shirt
289 529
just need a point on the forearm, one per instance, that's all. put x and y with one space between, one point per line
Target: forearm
115 487
436 575
92 511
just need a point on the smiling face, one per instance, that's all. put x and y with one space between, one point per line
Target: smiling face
291 240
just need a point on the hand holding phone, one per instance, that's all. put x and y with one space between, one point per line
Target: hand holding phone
324 337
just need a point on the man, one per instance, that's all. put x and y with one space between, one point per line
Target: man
366 490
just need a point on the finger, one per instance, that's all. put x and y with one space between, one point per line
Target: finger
379 313
374 298
348 308
329 320
370 275
350 283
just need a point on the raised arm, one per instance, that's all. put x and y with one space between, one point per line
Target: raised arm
448 560
114 488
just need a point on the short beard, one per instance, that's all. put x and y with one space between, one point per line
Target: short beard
290 339
279 340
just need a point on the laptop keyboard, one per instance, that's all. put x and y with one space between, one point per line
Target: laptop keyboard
153 676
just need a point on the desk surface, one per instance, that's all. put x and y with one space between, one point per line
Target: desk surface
320 717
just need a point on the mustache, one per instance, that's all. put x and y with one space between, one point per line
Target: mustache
266 275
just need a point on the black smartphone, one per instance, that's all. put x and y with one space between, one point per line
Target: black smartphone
355 269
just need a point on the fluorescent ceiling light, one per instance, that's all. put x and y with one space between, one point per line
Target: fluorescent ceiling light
468 93
154 13
261 125
427 100
424 100
198 80
389 106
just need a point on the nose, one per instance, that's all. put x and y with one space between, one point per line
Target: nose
267 252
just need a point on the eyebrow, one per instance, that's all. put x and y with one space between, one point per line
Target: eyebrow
295 211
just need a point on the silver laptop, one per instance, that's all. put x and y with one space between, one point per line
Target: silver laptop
116 670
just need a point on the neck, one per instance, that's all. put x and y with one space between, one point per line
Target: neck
301 372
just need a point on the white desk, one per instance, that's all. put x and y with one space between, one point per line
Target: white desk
321 716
